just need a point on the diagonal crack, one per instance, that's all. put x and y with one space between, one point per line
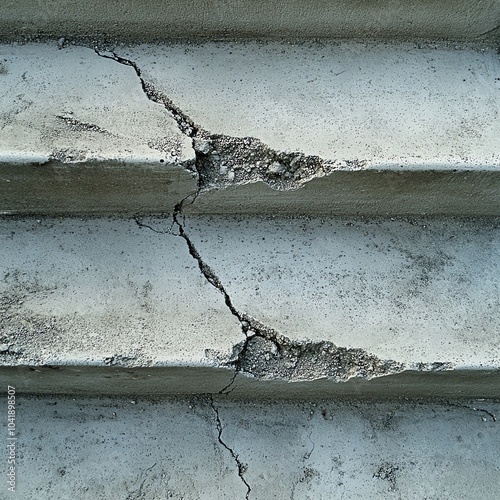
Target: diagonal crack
283 357
248 326
242 468
185 124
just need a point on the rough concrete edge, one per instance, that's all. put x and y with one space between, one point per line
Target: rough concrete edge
172 381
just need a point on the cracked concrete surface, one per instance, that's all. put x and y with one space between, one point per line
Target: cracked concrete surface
156 449
283 140
381 309
226 304
65 104
78 135
367 300
241 466
410 290
387 105
222 160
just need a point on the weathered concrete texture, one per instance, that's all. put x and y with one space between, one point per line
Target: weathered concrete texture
409 290
206 449
78 134
164 19
105 292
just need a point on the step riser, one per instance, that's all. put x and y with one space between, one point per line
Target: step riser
154 382
163 20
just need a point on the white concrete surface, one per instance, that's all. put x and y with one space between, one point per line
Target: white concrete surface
396 105
189 449
105 292
411 290
165 19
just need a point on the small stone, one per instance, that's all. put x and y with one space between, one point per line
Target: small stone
294 164
276 168
4 347
202 146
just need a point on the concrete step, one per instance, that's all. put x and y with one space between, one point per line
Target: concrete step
253 306
250 128
212 448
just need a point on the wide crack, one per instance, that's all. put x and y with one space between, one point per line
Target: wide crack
204 165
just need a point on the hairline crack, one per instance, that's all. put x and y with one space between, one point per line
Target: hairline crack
241 466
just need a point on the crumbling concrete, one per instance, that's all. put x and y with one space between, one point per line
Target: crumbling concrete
411 290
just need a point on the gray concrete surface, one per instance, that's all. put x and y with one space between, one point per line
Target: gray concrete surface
200 448
165 19
329 128
87 304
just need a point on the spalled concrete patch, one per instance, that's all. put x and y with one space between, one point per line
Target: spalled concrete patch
410 290
436 155
431 106
281 358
